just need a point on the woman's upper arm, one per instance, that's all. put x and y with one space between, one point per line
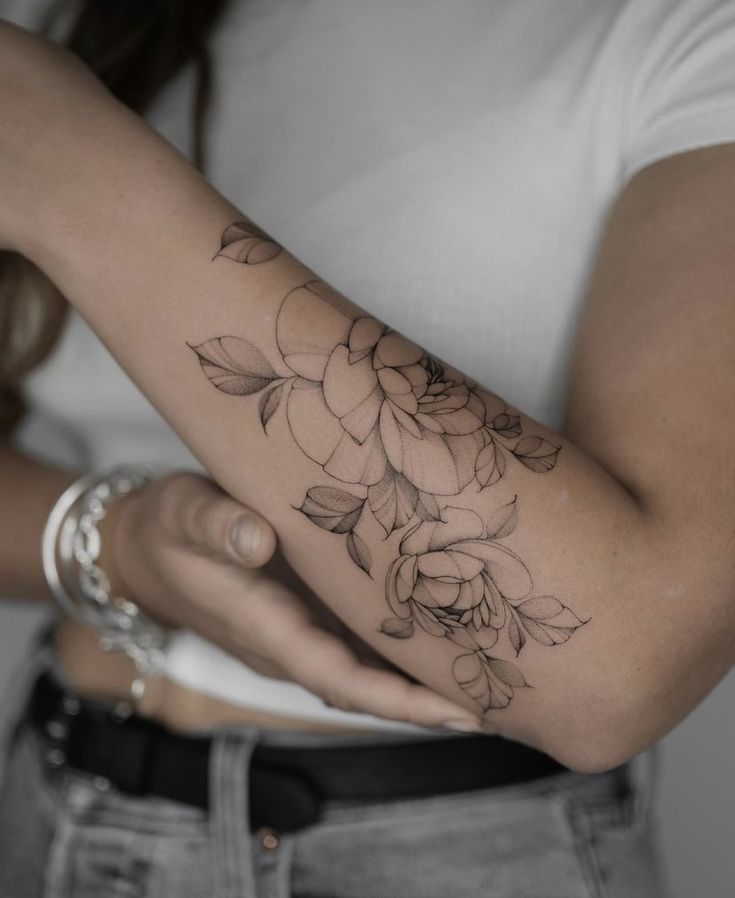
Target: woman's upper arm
651 391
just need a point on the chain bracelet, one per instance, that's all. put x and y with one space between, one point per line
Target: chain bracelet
71 549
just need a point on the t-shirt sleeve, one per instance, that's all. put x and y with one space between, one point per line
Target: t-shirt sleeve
682 91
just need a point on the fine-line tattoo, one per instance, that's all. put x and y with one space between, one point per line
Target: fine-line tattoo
406 432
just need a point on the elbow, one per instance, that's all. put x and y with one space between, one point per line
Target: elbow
606 730
596 752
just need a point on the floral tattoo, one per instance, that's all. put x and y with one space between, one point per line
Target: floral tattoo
406 433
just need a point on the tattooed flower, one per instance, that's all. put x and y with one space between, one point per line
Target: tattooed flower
452 581
366 400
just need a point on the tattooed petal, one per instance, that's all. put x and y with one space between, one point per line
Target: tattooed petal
347 386
393 351
484 637
417 376
405 420
417 538
505 568
354 462
307 351
436 593
459 525
393 382
438 463
467 597
397 627
431 423
397 605
391 437
406 578
458 421
364 334
426 620
484 614
439 565
316 430
245 242
362 420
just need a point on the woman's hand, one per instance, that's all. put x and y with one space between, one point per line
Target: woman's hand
194 558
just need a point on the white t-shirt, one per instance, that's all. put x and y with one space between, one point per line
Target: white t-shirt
446 165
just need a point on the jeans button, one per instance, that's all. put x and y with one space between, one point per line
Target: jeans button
268 839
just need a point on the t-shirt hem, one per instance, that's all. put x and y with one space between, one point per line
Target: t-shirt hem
696 131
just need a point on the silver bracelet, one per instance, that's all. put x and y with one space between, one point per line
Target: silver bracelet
70 550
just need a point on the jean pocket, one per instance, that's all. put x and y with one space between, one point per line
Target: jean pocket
614 836
511 842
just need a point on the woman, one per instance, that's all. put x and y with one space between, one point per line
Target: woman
441 512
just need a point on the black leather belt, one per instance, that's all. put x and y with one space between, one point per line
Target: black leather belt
288 784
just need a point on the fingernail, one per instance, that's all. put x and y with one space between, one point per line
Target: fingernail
245 538
462 726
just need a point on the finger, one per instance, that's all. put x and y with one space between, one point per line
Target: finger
331 670
227 527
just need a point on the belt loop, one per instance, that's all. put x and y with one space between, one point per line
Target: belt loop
231 839
644 770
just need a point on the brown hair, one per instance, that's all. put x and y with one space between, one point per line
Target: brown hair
135 47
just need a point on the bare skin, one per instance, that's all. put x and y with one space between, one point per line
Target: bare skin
620 533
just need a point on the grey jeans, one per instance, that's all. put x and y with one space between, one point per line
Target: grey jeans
64 834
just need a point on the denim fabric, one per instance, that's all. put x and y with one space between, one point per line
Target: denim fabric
65 834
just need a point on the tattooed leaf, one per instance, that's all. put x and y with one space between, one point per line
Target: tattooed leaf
490 464
359 551
397 628
269 402
507 425
536 454
541 607
503 522
427 508
234 365
392 501
475 678
507 672
332 509
245 242
547 620
516 635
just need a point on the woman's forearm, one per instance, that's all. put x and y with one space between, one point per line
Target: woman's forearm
470 545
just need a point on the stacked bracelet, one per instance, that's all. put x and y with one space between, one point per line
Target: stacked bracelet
70 550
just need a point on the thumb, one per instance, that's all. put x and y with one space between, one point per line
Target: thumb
229 528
